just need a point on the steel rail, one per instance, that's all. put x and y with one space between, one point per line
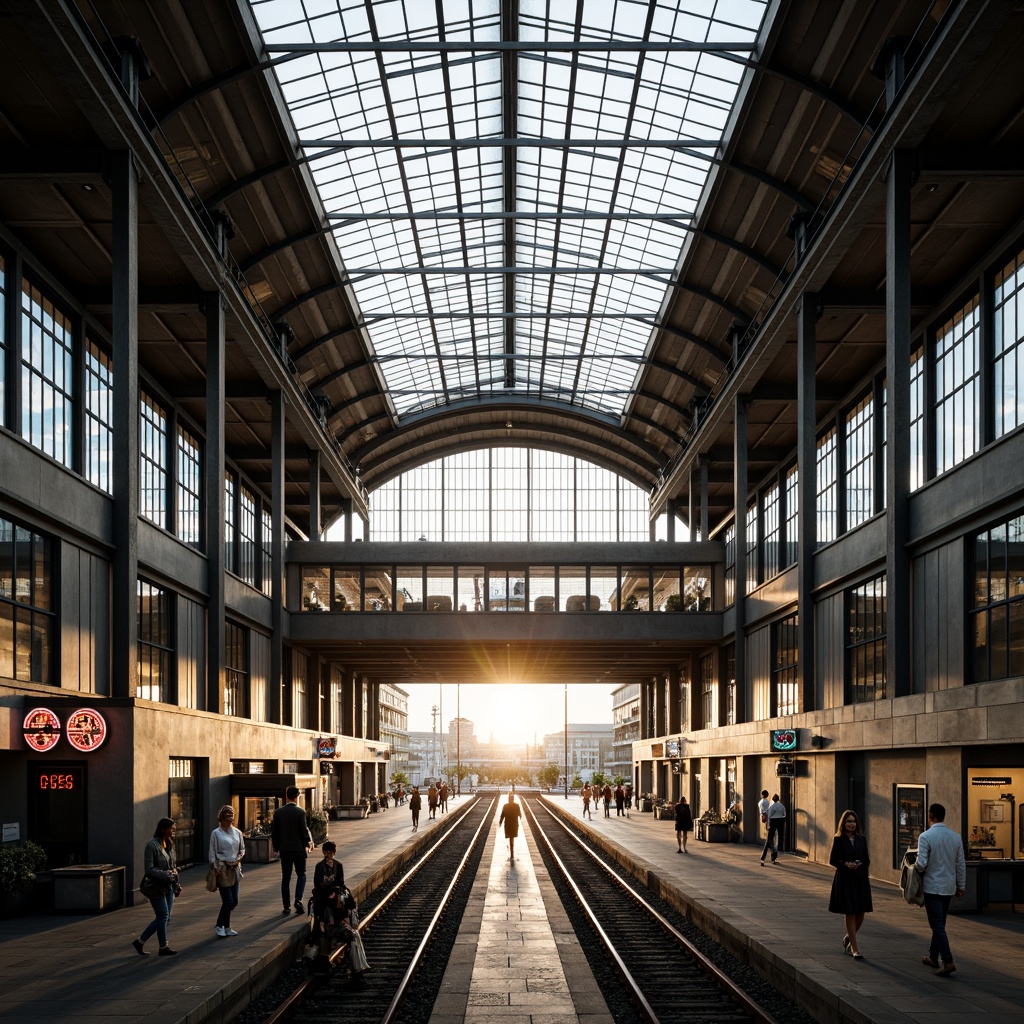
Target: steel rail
303 989
403 986
712 970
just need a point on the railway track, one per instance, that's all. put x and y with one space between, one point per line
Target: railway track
417 918
656 974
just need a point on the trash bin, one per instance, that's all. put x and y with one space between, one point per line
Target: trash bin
85 888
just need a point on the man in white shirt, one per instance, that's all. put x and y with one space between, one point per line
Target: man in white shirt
940 858
776 823
762 807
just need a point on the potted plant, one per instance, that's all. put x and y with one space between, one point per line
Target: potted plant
317 821
647 802
19 863
258 847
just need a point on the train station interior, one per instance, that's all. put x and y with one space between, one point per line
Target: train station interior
347 345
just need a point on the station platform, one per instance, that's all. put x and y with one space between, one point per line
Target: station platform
776 919
81 969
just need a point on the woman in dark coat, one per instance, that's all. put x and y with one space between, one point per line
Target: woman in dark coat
851 890
684 824
510 818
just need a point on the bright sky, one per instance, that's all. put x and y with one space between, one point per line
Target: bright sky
513 712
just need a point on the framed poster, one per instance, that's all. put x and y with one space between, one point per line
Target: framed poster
910 806
993 812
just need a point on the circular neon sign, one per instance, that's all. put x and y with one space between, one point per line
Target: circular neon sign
87 729
41 729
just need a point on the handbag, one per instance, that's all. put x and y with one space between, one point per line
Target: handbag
911 882
227 877
152 887
211 879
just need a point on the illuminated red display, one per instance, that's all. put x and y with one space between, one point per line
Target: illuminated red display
86 729
41 729
57 780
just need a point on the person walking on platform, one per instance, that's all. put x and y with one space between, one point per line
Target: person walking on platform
415 803
289 835
776 826
684 824
160 865
432 800
510 817
620 801
607 795
762 807
442 796
586 801
227 848
940 858
851 889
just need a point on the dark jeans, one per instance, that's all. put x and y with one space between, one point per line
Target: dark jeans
937 907
228 902
776 827
288 861
162 908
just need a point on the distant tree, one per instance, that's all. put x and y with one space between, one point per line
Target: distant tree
400 779
577 782
599 779
549 775
619 780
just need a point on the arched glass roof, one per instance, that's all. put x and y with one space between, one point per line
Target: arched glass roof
511 185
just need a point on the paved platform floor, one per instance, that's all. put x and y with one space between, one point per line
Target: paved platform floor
516 959
81 969
777 918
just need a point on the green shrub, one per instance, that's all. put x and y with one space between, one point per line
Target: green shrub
19 863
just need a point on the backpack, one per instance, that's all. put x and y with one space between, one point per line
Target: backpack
911 883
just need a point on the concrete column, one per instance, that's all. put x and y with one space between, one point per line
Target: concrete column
125 423
670 516
346 506
691 505
375 712
807 454
897 412
743 712
277 590
348 703
216 501
314 494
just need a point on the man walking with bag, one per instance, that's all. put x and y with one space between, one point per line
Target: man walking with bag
289 834
940 859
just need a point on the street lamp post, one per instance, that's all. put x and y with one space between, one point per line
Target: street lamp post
566 685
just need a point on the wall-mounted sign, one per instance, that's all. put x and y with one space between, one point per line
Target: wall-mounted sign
785 769
326 746
86 729
41 729
783 741
57 778
991 780
657 750
672 748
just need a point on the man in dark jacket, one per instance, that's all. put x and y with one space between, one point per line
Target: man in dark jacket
289 833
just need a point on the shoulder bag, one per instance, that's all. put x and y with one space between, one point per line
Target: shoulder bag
152 887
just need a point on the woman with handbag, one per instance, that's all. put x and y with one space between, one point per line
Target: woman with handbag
851 889
227 848
159 885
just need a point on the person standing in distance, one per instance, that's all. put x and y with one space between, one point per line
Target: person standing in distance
415 803
762 807
289 834
510 817
940 858
684 823
776 826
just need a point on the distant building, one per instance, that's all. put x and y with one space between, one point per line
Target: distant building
626 725
590 750
394 726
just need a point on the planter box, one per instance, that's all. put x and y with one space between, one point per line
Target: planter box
666 814
88 887
714 833
342 811
259 850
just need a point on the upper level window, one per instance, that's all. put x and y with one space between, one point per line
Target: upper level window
785 668
230 489
865 643
751 559
27 620
998 601
827 491
1008 347
47 375
707 691
247 536
152 461
190 482
99 401
510 494
770 523
267 550
236 668
792 514
957 387
155 650
917 406
730 565
860 463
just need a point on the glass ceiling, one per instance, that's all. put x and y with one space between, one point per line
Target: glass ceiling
510 218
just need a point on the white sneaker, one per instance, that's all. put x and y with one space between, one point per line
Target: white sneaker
230 931
221 933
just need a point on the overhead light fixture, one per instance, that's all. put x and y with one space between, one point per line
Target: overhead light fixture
88 188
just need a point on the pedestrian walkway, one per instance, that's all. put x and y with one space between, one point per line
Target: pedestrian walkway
776 918
516 959
81 969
